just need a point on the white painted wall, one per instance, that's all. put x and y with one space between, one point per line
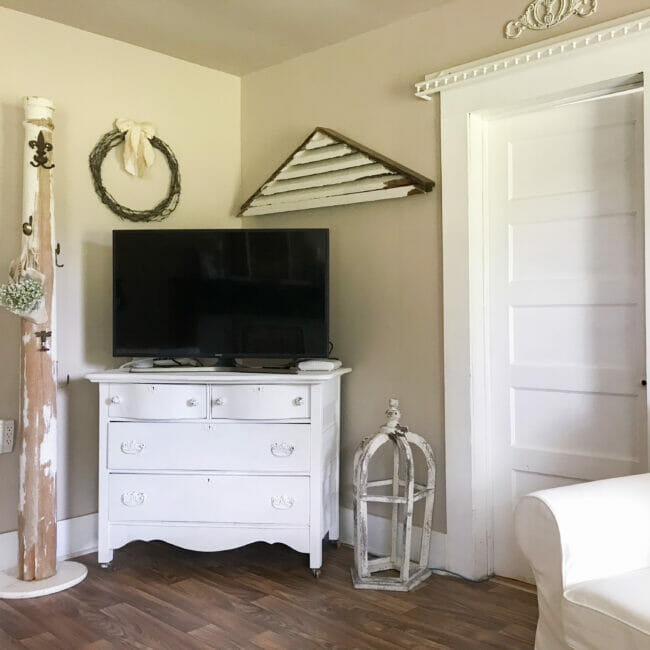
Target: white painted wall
92 80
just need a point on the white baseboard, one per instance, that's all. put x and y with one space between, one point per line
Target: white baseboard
78 536
379 538
8 550
75 536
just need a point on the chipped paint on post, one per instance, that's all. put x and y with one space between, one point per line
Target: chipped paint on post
37 499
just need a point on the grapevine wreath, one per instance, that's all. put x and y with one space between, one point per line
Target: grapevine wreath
160 211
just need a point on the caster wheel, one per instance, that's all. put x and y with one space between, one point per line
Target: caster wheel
105 565
316 573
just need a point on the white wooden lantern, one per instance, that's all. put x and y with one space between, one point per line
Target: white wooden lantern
404 494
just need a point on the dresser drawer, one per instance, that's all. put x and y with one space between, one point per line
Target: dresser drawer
260 402
226 499
239 447
157 402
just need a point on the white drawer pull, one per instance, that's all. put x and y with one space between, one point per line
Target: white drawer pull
299 401
282 449
282 502
133 499
220 401
132 447
192 402
116 399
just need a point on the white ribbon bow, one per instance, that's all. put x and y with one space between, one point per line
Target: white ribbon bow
138 152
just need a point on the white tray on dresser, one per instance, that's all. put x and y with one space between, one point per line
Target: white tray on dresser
212 461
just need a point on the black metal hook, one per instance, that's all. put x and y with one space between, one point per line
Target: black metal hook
57 252
43 335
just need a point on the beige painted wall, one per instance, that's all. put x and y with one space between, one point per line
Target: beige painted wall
386 298
93 80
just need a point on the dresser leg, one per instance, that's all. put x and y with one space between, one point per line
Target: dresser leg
104 557
316 554
316 560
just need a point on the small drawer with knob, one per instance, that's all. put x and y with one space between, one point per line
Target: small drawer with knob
259 402
157 402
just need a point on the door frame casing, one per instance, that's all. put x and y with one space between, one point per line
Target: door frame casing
464 111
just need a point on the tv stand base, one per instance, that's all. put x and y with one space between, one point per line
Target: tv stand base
176 369
277 371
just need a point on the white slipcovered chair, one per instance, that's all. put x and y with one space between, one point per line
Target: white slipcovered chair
589 547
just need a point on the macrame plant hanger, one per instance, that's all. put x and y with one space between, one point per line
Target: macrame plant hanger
37 572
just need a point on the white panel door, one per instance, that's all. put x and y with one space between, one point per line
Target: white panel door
566 303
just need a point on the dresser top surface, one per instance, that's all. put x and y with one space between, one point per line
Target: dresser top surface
125 376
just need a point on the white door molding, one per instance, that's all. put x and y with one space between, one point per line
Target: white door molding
464 107
590 38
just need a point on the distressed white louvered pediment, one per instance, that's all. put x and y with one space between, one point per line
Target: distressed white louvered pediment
330 169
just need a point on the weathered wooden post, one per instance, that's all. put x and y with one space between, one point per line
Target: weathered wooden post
37 502
37 572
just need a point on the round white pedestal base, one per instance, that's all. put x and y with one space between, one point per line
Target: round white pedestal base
67 575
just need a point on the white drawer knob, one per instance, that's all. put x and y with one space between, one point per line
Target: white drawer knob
192 402
220 401
282 449
133 498
299 401
116 399
282 502
132 447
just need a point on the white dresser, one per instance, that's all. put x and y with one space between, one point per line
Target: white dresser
215 460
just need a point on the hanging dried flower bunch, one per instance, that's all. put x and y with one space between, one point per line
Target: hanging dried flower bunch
24 294
21 297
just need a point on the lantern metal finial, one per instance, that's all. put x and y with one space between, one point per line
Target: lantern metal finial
404 494
393 416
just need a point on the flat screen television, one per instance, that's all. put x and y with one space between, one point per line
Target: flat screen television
221 293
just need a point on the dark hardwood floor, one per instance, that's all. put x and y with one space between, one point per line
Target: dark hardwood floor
260 596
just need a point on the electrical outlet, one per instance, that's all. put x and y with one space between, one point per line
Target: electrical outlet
6 436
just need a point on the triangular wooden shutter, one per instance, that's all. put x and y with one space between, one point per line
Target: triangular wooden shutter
330 169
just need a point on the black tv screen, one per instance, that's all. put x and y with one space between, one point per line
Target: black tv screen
220 293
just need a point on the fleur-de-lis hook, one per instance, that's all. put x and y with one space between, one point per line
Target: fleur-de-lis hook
42 149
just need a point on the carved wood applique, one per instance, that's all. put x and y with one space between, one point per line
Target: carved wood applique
544 14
